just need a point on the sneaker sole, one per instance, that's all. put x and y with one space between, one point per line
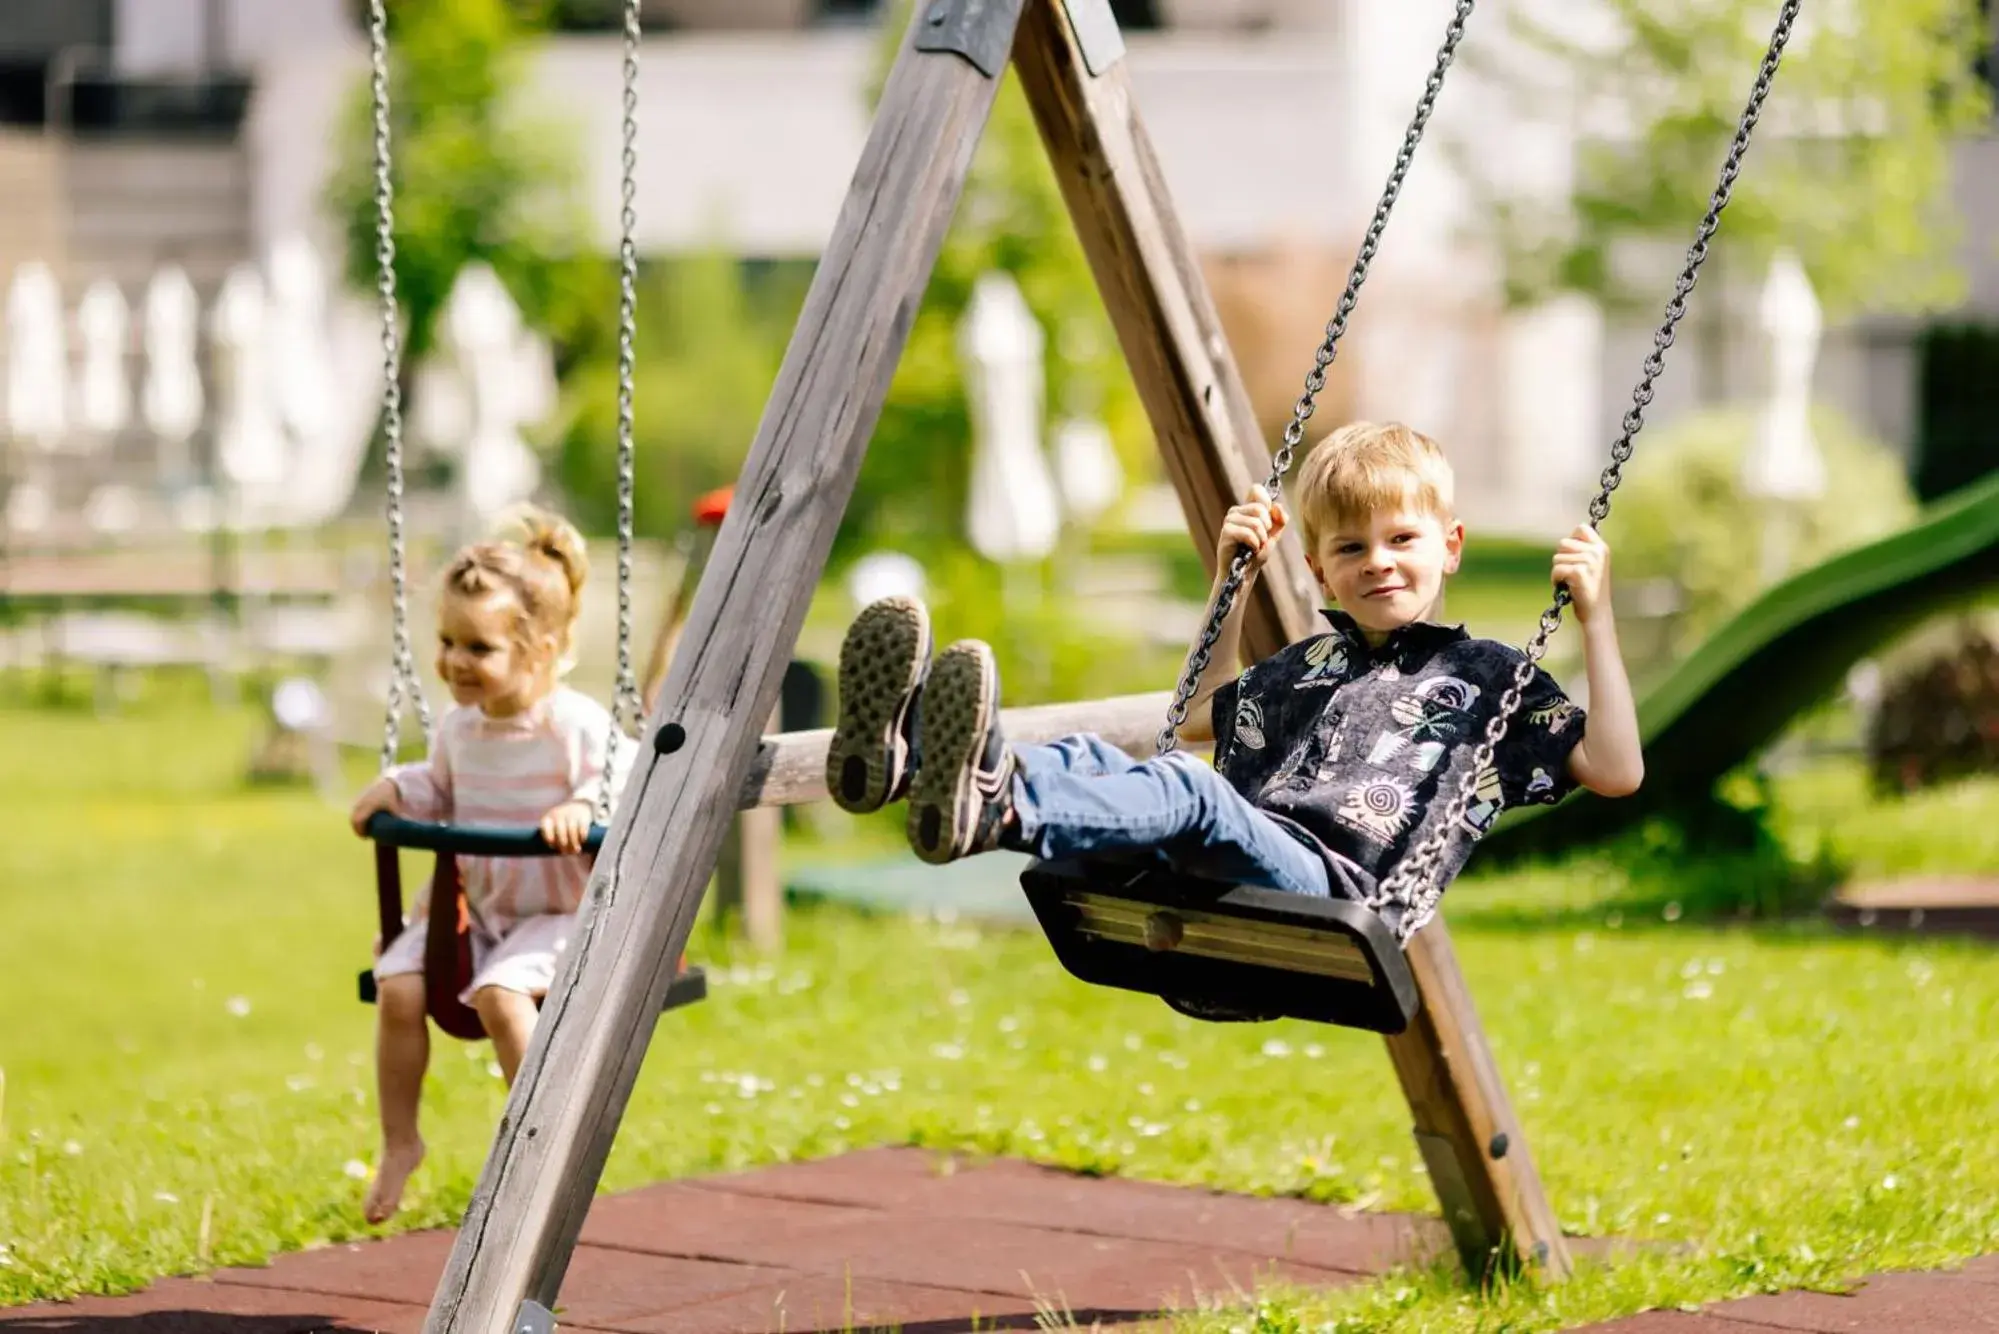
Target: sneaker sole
882 667
958 705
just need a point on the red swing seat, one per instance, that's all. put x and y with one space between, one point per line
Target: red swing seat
447 948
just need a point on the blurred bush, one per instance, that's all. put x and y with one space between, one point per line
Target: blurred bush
1048 645
480 173
1939 718
708 346
1681 514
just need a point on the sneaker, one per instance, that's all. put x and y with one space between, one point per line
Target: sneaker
883 662
963 789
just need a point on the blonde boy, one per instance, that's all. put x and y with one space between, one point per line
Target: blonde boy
1333 757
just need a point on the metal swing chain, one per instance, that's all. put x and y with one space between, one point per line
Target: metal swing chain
1413 885
627 707
402 661
1294 433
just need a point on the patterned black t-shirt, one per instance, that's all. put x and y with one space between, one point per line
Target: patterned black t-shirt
1362 747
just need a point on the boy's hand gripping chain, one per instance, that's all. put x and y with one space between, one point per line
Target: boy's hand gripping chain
1413 884
1197 660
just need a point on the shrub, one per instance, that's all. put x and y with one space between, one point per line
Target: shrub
1939 719
1681 514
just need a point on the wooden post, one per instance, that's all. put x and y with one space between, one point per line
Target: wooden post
563 1111
749 883
1151 284
1070 65
760 868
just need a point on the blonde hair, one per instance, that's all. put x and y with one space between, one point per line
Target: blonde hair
539 560
1366 467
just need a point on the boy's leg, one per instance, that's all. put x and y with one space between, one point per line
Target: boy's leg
1080 796
402 1053
883 661
1082 753
1173 808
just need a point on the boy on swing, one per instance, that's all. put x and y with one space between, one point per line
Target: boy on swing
1332 757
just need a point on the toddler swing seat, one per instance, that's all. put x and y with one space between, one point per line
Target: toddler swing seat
447 955
447 948
1222 952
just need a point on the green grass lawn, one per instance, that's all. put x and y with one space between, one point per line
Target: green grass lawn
188 1079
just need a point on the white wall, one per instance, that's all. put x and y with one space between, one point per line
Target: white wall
168 36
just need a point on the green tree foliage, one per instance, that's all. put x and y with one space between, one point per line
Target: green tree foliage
913 486
1850 167
706 355
1681 514
476 177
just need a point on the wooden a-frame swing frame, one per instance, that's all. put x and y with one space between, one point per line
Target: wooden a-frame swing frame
704 755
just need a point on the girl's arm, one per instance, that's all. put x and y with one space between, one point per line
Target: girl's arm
419 791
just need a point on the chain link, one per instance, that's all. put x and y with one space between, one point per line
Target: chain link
1414 885
402 661
627 707
1294 433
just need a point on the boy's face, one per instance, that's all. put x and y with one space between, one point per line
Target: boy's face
1387 569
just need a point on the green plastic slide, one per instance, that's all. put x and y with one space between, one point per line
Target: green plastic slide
1782 654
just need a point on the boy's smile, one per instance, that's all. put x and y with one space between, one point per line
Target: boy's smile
1387 569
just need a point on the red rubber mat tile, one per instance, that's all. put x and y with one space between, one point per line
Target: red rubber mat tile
604 1287
1005 1190
1906 1303
197 1306
979 1256
601 1285
394 1269
892 1178
1313 1234
1985 1269
1674 1322
815 1304
681 1219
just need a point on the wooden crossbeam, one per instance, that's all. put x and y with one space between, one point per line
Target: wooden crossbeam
521 1226
790 768
1151 283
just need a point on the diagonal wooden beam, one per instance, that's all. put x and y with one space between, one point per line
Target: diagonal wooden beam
1070 65
563 1111
1151 284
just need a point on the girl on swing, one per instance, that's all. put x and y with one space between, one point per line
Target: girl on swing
519 748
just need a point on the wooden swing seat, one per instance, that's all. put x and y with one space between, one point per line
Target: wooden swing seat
1223 952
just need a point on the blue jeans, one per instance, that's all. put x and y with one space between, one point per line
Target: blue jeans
1081 797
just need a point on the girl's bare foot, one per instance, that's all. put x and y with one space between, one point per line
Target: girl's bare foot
385 1194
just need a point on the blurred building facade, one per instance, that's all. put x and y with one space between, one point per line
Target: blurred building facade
200 132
